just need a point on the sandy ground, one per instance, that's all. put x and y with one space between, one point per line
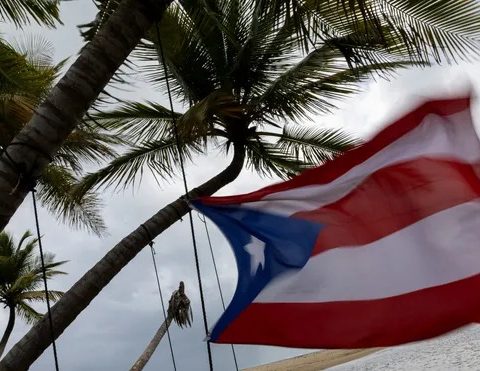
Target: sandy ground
315 361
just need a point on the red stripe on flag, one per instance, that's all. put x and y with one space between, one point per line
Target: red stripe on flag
392 198
359 324
334 169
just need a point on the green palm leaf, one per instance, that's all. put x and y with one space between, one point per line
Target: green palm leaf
21 12
440 28
312 85
40 295
137 122
48 262
24 238
160 157
190 64
7 245
27 313
36 49
444 28
18 76
209 26
55 193
86 145
267 160
311 145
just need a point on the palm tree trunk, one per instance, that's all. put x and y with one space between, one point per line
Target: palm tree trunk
147 353
8 330
75 300
69 100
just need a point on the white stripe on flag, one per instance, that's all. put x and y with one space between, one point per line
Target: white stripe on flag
450 136
442 248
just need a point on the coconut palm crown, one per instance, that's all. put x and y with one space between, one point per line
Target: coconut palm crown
180 311
247 79
21 279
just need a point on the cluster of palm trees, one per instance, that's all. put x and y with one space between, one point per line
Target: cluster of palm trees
248 74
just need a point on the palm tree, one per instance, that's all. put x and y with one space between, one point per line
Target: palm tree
66 104
21 278
234 118
21 12
27 75
358 36
179 310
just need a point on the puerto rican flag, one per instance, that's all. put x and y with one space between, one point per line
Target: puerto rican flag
379 247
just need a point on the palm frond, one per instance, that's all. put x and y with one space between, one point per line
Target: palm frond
19 76
299 15
313 84
27 313
26 235
208 21
25 78
86 145
21 12
37 50
441 28
7 244
267 160
310 145
55 193
160 157
50 265
23 282
191 70
39 296
273 38
136 122
23 259
8 266
179 308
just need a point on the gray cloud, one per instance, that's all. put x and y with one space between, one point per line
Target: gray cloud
115 328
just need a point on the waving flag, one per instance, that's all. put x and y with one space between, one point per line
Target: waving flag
378 247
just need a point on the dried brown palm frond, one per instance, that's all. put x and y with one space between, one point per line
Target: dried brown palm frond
179 308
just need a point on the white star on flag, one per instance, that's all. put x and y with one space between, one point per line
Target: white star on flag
256 249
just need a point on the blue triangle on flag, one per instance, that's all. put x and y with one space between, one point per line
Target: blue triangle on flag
265 246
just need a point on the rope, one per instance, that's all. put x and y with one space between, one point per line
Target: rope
31 183
163 305
204 221
50 321
192 229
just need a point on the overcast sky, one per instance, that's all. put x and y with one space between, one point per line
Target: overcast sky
115 328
